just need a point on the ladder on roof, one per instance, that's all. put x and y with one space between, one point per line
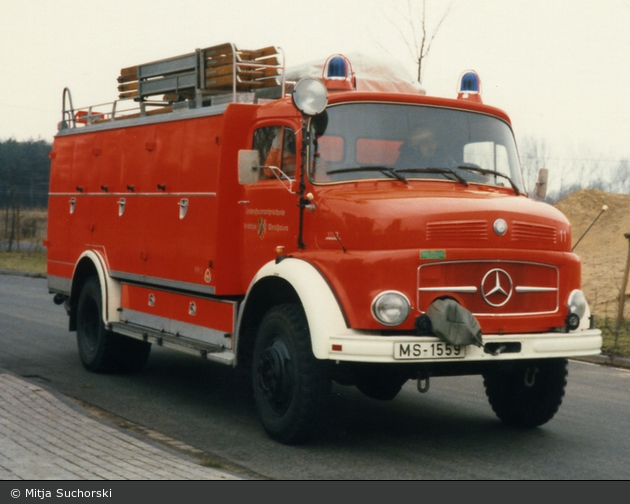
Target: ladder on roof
215 70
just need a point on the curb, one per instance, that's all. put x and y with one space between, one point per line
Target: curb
606 360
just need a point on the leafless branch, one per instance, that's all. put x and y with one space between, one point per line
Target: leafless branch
437 27
416 33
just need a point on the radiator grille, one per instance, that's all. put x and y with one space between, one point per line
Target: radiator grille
525 231
458 230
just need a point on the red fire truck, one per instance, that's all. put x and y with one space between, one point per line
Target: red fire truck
341 227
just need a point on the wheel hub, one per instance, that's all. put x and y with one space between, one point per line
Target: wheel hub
275 377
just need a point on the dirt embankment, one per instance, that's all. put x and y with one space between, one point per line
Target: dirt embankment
604 250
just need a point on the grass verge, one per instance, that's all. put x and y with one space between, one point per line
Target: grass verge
614 342
27 261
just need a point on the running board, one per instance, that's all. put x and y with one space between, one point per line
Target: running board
208 351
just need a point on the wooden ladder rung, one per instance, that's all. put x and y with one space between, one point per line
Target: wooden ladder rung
129 86
264 52
128 94
227 81
128 74
220 49
245 73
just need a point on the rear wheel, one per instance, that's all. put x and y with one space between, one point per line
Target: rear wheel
291 386
527 393
101 350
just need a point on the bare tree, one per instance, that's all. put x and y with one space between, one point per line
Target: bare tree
417 32
620 177
590 169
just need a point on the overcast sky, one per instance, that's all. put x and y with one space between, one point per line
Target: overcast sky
559 68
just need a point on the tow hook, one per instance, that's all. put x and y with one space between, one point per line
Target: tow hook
530 376
423 383
498 350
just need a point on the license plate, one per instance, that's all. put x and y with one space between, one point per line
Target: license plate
437 350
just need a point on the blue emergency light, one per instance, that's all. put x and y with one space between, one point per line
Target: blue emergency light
337 68
469 82
469 86
337 73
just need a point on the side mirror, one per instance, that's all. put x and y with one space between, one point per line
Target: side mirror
541 184
248 167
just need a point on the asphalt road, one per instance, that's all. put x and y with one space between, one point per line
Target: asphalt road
448 433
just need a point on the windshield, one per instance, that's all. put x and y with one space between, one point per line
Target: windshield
363 141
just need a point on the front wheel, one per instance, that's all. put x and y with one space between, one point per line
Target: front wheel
527 393
291 386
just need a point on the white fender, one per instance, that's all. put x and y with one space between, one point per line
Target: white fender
323 312
110 288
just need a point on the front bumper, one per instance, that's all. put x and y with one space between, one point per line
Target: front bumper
367 347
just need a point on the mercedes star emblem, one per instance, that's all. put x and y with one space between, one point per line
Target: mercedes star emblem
496 287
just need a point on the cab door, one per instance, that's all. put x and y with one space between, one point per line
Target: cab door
270 212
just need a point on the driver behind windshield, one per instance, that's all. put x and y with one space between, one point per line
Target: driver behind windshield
421 150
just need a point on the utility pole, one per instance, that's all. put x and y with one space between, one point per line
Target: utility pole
622 290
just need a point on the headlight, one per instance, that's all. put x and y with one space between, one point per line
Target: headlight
310 96
390 308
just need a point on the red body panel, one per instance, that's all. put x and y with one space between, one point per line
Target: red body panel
153 169
191 310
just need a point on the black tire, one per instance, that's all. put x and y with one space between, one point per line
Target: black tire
291 387
101 350
527 393
133 354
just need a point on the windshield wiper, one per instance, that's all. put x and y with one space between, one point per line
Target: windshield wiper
485 171
386 170
443 171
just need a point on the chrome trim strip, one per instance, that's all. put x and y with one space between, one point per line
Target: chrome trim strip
177 328
525 289
463 289
134 194
182 344
491 261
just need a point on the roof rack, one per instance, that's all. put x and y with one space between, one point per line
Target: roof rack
216 70
215 75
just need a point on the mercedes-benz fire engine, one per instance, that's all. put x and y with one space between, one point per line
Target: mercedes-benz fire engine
342 227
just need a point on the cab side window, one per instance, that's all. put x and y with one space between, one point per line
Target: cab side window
276 148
